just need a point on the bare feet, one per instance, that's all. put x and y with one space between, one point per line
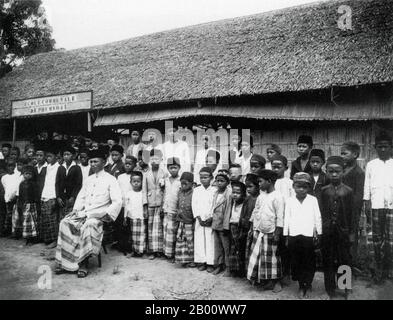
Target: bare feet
52 245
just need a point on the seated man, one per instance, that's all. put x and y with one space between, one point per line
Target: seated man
81 231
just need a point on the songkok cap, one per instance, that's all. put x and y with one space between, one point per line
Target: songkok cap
335 160
305 139
267 175
258 158
207 170
279 157
188 176
99 153
117 148
318 153
302 177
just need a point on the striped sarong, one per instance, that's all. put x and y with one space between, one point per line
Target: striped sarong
49 228
155 232
264 264
138 235
184 252
29 221
170 227
235 262
382 232
17 221
79 238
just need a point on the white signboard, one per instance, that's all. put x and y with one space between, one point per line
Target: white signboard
78 101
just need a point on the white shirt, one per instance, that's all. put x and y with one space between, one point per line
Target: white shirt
134 204
284 186
268 212
1 156
85 172
245 164
378 184
49 190
180 150
39 169
200 162
302 218
124 181
171 194
202 201
100 194
235 213
73 163
11 184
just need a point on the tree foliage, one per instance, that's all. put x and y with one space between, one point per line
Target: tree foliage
24 31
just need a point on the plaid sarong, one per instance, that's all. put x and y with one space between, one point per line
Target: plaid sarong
17 221
79 238
138 235
184 252
49 221
29 221
382 231
8 217
170 231
235 262
155 232
264 264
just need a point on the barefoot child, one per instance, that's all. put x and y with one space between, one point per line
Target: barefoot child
354 178
153 185
135 212
124 181
238 196
202 200
302 226
171 194
221 209
245 225
268 220
184 251
27 202
337 224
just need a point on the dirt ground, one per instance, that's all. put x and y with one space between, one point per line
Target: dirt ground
138 278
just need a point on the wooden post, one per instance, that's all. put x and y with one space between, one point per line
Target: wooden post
14 133
88 122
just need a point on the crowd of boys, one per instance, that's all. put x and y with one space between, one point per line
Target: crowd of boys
254 218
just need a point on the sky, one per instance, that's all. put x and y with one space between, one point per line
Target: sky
82 23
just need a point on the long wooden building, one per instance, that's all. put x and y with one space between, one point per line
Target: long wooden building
300 70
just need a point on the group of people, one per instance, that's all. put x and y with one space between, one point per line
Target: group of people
249 218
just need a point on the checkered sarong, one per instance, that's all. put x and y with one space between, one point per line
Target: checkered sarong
79 238
8 217
17 221
235 263
264 264
29 221
382 231
170 231
138 235
154 230
49 221
184 252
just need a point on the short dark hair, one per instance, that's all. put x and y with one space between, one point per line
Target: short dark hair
383 136
136 174
6 145
132 158
239 184
352 146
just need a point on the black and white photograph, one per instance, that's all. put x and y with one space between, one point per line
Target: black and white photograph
193 151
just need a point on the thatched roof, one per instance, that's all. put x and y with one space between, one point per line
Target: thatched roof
294 49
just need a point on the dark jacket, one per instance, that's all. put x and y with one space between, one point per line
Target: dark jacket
68 185
355 180
296 167
40 179
316 186
337 210
28 193
184 208
115 169
222 211
247 209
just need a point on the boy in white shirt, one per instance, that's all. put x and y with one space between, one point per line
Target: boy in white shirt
135 214
202 200
302 227
10 182
124 181
378 197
